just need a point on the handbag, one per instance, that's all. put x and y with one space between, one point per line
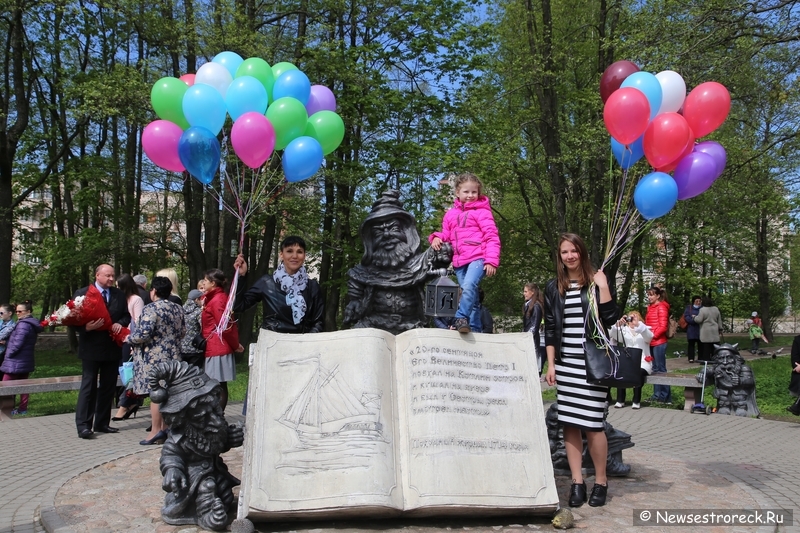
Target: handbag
613 366
126 372
199 342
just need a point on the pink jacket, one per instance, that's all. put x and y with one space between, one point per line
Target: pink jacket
471 230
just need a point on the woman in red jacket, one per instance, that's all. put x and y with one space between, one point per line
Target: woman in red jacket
658 320
220 362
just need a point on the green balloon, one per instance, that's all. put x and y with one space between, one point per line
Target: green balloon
289 117
260 70
280 68
326 127
167 99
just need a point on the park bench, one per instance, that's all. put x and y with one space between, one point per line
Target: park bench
692 388
14 387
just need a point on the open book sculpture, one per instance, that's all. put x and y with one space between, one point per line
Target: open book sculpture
361 423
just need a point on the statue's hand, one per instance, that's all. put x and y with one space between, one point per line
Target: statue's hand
352 312
442 256
174 481
235 435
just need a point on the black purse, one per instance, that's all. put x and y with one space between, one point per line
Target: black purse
199 342
613 366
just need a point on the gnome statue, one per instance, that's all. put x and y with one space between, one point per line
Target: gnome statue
197 482
386 290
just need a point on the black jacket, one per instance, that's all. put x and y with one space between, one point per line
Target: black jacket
533 321
278 315
554 313
97 345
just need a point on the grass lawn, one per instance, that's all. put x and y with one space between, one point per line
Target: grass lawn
772 379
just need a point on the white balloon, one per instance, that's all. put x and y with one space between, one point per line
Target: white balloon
673 91
215 75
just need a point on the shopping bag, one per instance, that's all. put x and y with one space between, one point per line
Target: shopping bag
126 372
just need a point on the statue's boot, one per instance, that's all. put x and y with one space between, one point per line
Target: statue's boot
795 407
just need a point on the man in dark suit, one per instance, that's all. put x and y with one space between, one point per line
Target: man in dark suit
100 356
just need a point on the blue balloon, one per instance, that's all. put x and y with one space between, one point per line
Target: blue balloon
649 85
229 60
199 152
294 84
204 107
626 157
655 194
301 158
246 94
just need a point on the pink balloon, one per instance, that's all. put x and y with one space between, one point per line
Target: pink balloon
188 79
666 138
626 114
707 107
253 139
160 142
321 99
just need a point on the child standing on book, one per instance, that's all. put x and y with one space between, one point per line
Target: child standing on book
469 226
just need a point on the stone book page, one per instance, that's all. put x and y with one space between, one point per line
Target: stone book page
474 438
320 433
362 423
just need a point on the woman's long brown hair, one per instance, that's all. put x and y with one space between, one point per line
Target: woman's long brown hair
585 271
537 297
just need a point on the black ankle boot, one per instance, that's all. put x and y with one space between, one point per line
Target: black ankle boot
577 494
795 407
598 497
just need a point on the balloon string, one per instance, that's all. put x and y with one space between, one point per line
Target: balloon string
242 209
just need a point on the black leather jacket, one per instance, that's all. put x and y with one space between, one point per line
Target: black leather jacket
554 313
278 315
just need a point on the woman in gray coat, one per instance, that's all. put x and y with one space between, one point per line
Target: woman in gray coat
710 321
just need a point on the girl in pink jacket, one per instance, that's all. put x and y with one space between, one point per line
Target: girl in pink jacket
469 226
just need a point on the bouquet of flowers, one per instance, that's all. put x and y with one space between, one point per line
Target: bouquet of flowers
84 309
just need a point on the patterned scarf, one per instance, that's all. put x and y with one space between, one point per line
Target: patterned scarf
292 286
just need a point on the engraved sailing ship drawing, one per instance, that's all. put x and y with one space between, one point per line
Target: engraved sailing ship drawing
336 428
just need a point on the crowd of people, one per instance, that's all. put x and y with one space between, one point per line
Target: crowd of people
199 332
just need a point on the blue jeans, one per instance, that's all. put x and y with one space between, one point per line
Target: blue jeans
469 276
661 393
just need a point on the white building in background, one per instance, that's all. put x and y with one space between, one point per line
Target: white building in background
158 219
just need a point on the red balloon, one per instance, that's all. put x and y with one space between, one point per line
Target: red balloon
707 107
665 139
613 77
672 165
626 114
188 79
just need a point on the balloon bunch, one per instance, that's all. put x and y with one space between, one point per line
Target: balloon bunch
651 116
271 108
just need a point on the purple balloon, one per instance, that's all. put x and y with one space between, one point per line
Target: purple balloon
716 151
321 99
695 174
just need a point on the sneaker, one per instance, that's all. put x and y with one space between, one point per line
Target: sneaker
17 412
668 402
462 325
619 405
636 406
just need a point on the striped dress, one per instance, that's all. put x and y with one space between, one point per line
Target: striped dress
579 404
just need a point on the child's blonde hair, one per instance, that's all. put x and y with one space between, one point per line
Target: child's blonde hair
461 179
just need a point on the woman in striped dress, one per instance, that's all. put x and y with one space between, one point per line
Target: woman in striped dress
581 406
